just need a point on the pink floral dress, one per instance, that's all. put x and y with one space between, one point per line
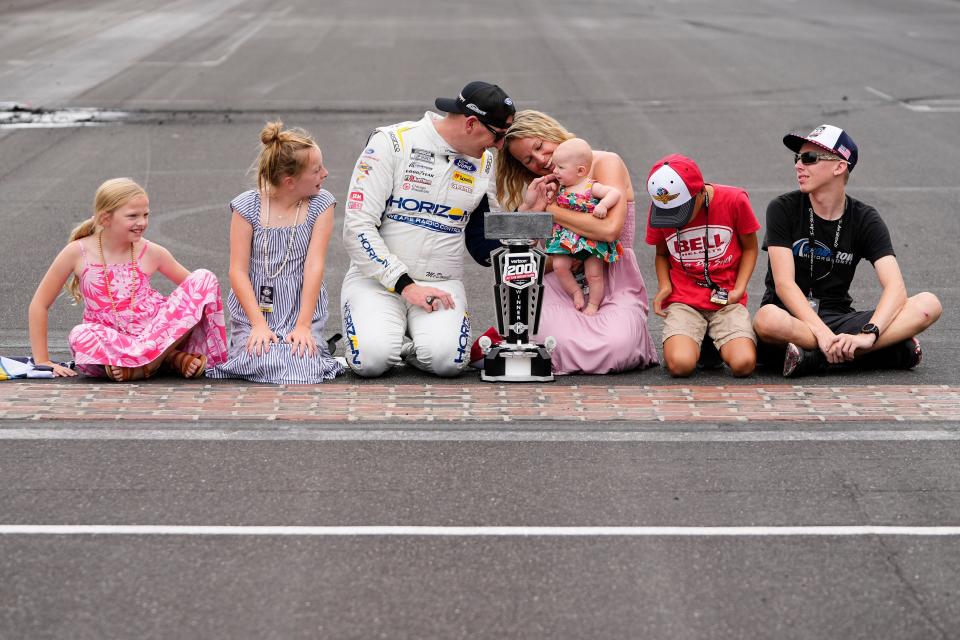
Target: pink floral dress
135 337
565 241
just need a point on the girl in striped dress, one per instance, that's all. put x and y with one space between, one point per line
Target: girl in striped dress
279 235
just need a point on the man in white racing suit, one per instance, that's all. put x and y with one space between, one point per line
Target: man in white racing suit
411 195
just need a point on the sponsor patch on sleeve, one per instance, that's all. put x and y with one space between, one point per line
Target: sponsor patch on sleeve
462 178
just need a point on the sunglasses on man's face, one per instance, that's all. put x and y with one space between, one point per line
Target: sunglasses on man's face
812 157
498 134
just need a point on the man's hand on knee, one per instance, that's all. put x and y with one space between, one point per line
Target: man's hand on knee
427 298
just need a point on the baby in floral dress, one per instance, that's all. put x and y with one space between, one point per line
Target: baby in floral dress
572 167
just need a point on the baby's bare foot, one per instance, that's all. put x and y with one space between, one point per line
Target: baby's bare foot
578 300
591 309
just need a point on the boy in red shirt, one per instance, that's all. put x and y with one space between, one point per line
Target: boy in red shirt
706 239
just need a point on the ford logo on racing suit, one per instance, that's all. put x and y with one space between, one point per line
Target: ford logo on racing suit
466 165
422 206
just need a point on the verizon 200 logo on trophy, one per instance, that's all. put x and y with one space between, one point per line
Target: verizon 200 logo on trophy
520 270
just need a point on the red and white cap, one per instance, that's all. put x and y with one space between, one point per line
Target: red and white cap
673 184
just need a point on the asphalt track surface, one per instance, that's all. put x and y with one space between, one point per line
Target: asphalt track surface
721 82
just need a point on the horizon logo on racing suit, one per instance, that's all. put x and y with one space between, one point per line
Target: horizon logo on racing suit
371 252
464 339
422 206
466 165
432 225
351 330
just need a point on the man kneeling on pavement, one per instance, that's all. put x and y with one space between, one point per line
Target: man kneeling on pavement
815 237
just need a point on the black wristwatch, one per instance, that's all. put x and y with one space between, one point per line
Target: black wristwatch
871 328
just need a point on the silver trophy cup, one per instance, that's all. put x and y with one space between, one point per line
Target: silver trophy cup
518 290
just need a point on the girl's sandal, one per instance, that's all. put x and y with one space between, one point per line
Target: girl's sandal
181 362
129 374
119 374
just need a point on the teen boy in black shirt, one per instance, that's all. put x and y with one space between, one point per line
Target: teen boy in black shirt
814 239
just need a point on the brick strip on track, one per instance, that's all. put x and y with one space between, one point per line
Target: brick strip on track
450 402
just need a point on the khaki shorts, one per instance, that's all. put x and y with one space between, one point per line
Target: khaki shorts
722 326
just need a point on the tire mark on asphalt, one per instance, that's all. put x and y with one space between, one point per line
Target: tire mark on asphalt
890 559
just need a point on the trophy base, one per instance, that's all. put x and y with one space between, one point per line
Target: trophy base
517 363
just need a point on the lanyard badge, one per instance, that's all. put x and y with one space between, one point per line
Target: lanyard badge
265 299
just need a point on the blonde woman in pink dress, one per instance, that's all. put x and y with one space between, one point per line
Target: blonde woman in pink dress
129 329
578 191
616 337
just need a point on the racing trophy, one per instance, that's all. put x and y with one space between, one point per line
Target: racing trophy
518 268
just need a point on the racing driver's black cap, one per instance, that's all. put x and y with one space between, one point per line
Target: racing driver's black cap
487 102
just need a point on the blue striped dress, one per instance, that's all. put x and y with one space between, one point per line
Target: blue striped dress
279 365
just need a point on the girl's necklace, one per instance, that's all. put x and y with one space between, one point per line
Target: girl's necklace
286 254
134 281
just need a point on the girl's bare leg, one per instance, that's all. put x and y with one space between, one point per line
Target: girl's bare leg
561 266
593 267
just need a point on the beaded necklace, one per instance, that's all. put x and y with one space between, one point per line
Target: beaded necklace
134 281
286 254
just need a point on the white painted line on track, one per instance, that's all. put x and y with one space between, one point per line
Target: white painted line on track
933 105
459 433
421 531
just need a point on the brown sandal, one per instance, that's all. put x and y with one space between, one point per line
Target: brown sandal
181 361
118 374
128 374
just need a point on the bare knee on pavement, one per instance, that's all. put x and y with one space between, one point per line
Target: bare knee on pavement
680 355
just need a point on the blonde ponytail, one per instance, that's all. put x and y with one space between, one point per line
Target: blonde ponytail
282 153
110 196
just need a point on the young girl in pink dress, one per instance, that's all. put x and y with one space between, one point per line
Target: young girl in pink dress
129 329
578 191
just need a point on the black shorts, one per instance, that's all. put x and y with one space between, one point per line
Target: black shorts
845 321
839 322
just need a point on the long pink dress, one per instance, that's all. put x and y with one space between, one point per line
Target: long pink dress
135 337
617 337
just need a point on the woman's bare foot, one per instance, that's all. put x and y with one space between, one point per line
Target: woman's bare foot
591 309
578 300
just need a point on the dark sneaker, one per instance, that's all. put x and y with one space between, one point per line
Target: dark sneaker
332 342
800 362
709 356
910 354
